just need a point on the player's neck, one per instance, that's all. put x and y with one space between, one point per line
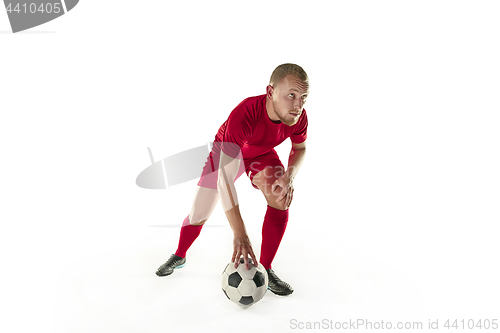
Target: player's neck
270 111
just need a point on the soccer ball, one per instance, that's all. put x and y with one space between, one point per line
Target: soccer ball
244 287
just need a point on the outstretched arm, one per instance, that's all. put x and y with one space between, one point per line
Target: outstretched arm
228 169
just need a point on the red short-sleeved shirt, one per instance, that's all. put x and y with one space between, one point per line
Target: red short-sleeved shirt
252 132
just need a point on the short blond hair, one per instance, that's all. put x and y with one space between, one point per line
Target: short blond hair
284 70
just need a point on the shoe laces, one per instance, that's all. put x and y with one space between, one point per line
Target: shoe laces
173 260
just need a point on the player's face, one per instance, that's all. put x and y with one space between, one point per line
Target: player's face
289 98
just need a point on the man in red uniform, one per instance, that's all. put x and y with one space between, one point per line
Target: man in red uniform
244 143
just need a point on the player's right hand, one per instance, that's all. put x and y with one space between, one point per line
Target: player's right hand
243 247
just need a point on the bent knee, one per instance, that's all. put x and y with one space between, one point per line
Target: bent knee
194 222
197 219
280 205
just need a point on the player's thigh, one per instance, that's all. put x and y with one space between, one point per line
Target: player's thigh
264 180
204 202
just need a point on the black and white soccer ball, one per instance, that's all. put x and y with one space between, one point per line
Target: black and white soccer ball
244 287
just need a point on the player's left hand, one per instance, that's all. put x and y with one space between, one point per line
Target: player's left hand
286 185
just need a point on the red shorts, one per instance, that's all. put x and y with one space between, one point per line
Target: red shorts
252 167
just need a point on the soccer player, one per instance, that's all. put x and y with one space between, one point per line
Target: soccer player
245 143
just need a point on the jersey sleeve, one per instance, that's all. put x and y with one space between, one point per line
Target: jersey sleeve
238 132
300 133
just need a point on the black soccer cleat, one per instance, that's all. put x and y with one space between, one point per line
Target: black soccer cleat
276 285
171 264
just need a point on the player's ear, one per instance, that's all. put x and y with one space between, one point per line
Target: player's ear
269 91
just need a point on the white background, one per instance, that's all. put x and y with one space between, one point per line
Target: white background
396 208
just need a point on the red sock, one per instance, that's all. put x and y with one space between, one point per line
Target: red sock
273 229
188 235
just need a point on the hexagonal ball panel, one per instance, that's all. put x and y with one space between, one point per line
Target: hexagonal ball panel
230 268
246 275
259 293
247 287
224 279
226 294
233 294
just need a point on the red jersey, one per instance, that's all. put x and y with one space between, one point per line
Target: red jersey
249 127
